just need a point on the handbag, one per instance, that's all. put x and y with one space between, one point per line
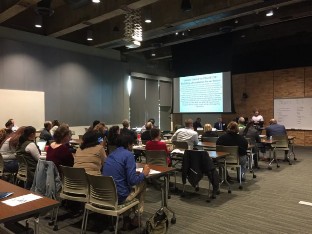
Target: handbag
158 223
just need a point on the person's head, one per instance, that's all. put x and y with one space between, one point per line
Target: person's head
125 141
232 127
95 122
188 123
113 133
9 124
29 134
152 120
101 128
148 125
155 134
14 137
241 120
48 125
3 134
12 120
198 120
125 123
55 123
207 128
220 120
273 121
62 134
90 139
256 112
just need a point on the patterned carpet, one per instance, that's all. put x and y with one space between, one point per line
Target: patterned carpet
267 204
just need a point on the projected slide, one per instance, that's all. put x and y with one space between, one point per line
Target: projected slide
207 93
201 93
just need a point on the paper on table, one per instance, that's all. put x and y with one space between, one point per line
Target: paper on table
177 151
139 170
21 199
153 172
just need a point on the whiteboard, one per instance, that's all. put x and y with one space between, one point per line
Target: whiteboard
25 107
295 113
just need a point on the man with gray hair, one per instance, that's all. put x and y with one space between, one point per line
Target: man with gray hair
45 133
126 131
186 134
241 125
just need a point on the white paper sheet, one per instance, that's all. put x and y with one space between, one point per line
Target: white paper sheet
21 199
152 172
139 169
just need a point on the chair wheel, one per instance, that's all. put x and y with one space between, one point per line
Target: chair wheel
55 228
173 220
278 166
229 191
254 176
270 168
240 187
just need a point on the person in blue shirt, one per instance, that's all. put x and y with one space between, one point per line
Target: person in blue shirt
120 164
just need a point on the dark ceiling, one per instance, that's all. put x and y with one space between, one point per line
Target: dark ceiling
71 20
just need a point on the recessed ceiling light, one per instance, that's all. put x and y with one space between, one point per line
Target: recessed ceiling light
89 35
148 21
96 1
270 13
38 25
153 54
176 33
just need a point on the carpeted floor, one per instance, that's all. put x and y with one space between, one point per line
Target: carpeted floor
267 204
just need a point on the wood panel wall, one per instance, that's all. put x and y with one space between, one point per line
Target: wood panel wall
263 87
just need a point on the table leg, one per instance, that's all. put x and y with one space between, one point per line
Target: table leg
164 198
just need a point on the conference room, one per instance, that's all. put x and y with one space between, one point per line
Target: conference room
199 60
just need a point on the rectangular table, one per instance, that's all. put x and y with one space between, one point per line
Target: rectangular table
9 214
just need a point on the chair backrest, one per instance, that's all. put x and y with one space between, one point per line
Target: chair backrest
180 145
22 166
220 133
102 192
1 165
156 157
233 158
282 141
74 181
210 139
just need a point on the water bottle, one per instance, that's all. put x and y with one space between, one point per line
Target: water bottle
270 138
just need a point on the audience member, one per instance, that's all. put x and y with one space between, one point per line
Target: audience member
220 125
59 152
186 134
197 124
8 148
45 133
95 122
3 135
101 129
29 150
208 131
14 128
126 131
152 120
241 125
146 135
55 125
252 134
275 129
156 144
232 138
91 154
122 167
113 134
8 126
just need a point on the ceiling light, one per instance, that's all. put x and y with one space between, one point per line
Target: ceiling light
38 23
89 35
96 1
186 5
177 33
270 13
148 21
153 54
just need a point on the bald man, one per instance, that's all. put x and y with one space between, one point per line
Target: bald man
275 129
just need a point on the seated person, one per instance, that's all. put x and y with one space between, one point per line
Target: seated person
126 131
113 134
232 138
186 134
91 154
45 133
101 129
220 125
9 126
241 125
55 125
156 144
197 124
29 150
95 122
146 135
252 133
8 148
208 131
3 135
59 152
121 166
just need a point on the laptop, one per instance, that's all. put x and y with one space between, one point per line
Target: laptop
41 145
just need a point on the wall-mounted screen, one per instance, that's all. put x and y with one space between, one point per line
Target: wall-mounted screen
208 93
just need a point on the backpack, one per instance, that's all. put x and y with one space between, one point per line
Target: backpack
158 223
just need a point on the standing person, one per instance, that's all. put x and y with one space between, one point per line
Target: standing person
156 144
220 125
29 150
197 124
122 167
232 138
126 131
59 152
258 120
91 154
55 125
8 148
45 133
186 134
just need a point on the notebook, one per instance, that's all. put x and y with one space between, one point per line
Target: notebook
5 194
41 145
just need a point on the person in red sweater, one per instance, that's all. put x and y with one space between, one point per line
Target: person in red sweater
156 144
